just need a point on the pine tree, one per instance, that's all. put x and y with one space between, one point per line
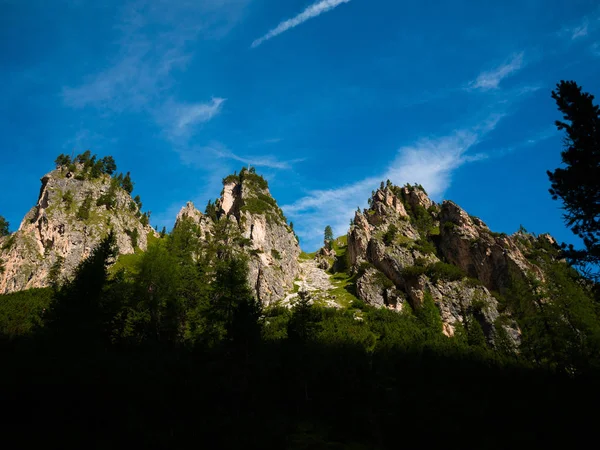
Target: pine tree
109 166
429 314
159 315
78 315
4 227
305 321
328 235
62 160
127 184
138 202
578 184
475 336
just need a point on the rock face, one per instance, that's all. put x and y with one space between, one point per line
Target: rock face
374 288
405 246
189 212
493 259
268 240
61 230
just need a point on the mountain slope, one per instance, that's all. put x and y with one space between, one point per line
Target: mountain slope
405 249
74 211
258 229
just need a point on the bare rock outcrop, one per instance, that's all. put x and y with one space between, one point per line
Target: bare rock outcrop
72 215
375 289
402 248
492 258
268 240
191 213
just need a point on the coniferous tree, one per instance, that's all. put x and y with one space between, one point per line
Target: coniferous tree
230 289
127 184
109 166
62 160
83 213
305 321
138 202
328 234
474 332
578 184
159 314
429 314
78 314
84 158
55 271
4 227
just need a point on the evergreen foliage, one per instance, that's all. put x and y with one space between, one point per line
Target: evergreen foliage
4 227
390 235
78 308
127 184
328 234
304 324
211 211
67 198
21 313
83 213
578 184
55 272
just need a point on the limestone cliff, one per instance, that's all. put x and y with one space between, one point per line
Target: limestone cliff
405 247
268 240
73 214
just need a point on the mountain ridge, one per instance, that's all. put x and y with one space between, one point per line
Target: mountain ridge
402 251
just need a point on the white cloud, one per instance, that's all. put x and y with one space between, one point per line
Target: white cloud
262 161
155 41
184 116
491 79
580 31
429 162
218 150
314 10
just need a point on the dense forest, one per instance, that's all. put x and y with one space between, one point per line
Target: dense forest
169 347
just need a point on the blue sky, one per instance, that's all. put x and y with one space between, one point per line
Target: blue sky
326 98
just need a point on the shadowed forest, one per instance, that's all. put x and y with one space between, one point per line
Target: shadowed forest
161 358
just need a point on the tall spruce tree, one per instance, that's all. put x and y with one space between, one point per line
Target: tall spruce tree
578 183
79 314
4 227
328 235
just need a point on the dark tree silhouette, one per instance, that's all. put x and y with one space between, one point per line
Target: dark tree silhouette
127 184
578 184
78 314
4 227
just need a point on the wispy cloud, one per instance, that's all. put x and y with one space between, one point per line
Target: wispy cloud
579 31
314 10
586 26
262 161
155 41
491 79
535 139
183 117
198 156
268 161
429 161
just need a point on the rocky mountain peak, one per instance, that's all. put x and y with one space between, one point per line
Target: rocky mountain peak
269 241
405 247
78 204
